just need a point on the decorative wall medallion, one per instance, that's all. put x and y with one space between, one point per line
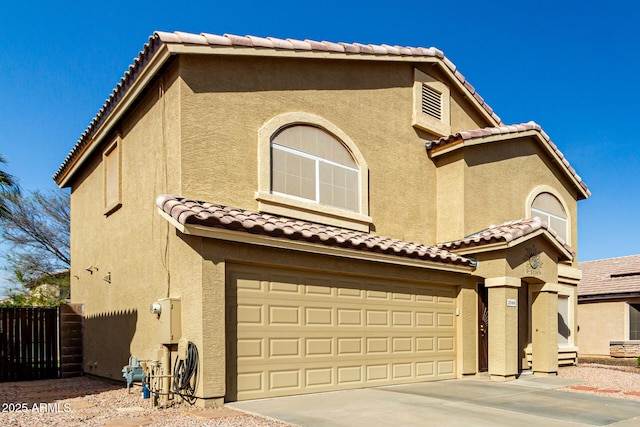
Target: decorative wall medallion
533 263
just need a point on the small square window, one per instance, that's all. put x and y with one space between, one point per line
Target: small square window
112 177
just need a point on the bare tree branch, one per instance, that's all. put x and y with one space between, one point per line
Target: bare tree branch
37 230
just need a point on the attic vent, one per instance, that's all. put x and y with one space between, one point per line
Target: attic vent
431 102
633 273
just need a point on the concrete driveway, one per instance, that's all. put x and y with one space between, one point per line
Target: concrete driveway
528 401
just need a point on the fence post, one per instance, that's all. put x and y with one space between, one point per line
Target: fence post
71 332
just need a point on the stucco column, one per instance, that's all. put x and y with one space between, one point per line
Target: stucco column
503 327
468 324
212 369
544 333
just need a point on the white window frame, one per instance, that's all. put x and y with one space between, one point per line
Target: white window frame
531 212
317 160
546 216
305 209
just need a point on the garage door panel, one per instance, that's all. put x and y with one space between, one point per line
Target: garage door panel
284 315
284 287
350 292
250 348
321 289
319 316
283 379
401 318
300 332
319 347
319 377
445 320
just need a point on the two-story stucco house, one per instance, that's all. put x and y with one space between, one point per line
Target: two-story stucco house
326 216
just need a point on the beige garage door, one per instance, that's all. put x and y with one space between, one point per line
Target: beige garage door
291 332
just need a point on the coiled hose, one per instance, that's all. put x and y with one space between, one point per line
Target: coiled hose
185 375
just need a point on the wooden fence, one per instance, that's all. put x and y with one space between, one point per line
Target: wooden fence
29 343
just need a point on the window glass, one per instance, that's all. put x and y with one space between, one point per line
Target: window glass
634 321
564 331
310 163
549 209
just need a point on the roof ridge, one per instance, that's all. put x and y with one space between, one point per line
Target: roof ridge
255 42
471 134
507 232
609 259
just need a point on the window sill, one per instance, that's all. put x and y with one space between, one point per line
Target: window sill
431 125
567 348
309 211
112 208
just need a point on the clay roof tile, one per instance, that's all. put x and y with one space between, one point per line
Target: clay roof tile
187 211
231 40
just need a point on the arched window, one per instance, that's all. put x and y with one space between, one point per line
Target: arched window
310 163
548 208
310 169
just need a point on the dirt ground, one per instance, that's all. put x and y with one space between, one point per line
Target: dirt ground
86 401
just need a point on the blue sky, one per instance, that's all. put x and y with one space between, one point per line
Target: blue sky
570 66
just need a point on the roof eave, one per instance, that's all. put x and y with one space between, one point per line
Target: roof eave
184 43
503 244
608 296
461 143
147 73
274 242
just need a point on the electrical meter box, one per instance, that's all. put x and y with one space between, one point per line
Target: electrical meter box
169 325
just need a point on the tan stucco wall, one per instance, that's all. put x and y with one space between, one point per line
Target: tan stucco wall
132 244
198 138
225 101
497 179
599 323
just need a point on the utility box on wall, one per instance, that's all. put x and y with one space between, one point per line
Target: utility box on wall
170 325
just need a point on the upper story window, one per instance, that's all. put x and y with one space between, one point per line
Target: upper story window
548 208
431 104
112 180
310 169
310 163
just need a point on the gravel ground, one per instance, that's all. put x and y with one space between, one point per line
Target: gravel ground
89 402
609 380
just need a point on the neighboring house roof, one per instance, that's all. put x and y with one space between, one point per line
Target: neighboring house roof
180 42
501 133
508 233
42 279
609 278
191 212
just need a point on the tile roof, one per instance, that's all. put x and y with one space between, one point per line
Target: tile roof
273 43
505 232
240 44
610 276
507 130
192 212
